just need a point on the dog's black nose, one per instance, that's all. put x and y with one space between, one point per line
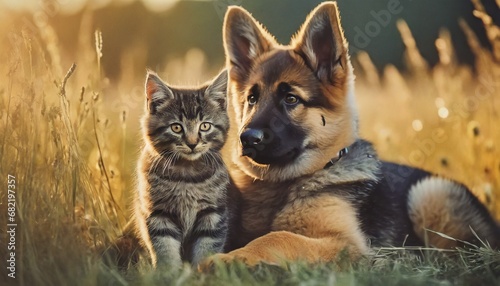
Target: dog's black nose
251 137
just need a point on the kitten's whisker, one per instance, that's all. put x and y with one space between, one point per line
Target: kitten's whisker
214 159
172 159
161 157
154 164
167 163
206 159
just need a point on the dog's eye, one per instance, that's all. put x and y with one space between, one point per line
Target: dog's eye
291 99
177 128
205 126
339 62
252 99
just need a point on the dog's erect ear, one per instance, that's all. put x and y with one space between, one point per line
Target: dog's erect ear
217 89
321 41
244 38
157 92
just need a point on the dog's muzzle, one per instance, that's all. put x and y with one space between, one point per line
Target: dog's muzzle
265 147
251 137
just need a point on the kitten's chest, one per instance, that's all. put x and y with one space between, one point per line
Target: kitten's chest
184 201
182 191
187 189
187 196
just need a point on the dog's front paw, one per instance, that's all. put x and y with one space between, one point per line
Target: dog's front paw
209 263
248 258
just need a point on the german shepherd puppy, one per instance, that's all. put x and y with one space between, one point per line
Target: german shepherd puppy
309 188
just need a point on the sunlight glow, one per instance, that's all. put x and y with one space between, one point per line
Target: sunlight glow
159 5
74 6
443 112
439 102
417 125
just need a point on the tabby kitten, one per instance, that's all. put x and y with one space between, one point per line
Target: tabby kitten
180 208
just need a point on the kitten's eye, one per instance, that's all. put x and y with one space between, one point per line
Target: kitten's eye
177 128
291 99
205 126
252 99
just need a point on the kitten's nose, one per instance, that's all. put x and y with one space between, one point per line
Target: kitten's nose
192 146
251 137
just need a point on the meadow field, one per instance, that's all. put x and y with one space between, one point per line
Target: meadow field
69 140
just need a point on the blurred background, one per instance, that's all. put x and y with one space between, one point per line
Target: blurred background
164 30
72 93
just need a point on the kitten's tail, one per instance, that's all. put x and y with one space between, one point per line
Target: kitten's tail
125 251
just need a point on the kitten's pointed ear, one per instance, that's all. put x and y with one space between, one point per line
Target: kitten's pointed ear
244 39
321 41
157 92
217 90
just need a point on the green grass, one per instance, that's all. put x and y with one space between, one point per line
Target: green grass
72 152
480 266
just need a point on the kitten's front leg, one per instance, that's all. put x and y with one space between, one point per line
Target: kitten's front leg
165 236
167 251
206 246
209 234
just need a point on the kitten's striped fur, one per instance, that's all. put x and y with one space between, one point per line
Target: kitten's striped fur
180 208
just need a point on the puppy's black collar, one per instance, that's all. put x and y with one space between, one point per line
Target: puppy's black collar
341 154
